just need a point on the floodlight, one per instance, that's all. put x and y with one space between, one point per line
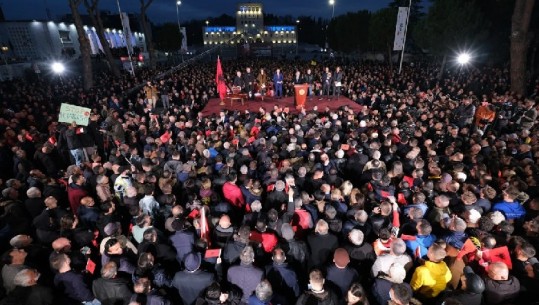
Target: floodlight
58 67
463 58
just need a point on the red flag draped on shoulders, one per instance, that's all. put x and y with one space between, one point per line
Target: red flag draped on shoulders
220 80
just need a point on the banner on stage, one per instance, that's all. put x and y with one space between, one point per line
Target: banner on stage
400 29
71 113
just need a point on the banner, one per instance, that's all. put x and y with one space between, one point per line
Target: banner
71 113
127 32
184 39
400 29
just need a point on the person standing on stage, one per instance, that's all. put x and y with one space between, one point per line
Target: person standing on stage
337 82
309 79
327 83
239 81
298 80
262 80
278 83
249 81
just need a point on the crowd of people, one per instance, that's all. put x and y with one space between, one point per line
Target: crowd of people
427 196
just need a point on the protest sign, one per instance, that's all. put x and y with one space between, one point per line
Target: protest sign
71 113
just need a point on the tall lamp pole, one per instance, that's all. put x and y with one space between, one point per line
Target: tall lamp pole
297 35
178 3
332 3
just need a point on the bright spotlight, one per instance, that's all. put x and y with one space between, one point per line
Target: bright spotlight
58 67
331 2
178 2
463 58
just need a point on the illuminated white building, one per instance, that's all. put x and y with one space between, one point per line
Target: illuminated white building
250 28
38 40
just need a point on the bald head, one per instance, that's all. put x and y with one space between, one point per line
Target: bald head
224 222
498 271
278 256
62 245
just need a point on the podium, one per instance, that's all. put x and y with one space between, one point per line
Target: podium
301 95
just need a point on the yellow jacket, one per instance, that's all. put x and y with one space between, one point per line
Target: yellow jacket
430 279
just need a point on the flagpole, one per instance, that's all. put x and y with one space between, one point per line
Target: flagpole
405 32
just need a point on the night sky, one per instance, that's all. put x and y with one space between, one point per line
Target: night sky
165 10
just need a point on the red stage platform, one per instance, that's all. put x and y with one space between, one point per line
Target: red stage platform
213 106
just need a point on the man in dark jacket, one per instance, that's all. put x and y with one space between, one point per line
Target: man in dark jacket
192 281
71 284
74 144
233 248
339 274
283 279
500 287
245 275
183 240
471 288
27 291
318 292
47 223
296 250
322 244
111 289
361 253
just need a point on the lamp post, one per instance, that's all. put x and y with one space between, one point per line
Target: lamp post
297 35
332 3
5 49
178 3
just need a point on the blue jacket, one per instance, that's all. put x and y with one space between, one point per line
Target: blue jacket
456 239
278 78
183 241
511 210
421 243
247 277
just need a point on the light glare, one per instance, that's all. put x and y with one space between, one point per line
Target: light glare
58 67
463 58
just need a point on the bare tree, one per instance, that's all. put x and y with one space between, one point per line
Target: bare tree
95 16
147 30
85 49
520 41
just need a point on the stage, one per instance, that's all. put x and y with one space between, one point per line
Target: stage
213 106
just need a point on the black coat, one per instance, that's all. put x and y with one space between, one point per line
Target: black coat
190 285
322 247
33 295
112 291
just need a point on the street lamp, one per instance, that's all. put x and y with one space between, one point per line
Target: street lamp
332 3
463 58
178 3
58 67
297 35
